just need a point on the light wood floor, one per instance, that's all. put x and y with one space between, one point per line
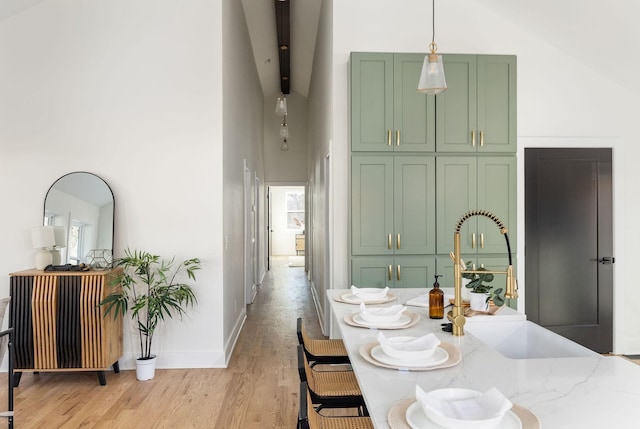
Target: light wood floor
258 390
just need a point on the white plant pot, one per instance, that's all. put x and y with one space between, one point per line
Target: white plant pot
478 301
145 368
464 290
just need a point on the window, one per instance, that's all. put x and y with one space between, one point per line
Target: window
295 210
75 242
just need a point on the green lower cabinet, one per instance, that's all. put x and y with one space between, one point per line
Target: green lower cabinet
444 266
394 272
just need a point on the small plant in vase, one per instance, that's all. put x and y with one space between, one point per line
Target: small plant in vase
479 284
151 289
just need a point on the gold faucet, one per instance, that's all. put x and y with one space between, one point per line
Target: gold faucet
456 316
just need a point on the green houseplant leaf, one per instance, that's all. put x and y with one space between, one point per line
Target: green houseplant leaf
151 292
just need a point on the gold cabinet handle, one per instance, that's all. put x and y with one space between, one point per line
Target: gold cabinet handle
389 272
473 240
398 275
398 241
389 138
389 241
397 137
481 138
482 240
473 138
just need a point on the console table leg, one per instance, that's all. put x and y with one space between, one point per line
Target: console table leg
101 378
16 378
116 367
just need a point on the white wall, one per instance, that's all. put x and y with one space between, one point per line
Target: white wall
243 140
561 102
286 166
320 232
129 91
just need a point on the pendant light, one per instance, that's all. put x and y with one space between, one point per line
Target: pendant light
281 106
284 129
284 146
432 77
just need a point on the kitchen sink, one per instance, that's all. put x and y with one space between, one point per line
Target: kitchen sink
524 339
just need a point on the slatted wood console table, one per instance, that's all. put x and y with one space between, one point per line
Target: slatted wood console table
59 325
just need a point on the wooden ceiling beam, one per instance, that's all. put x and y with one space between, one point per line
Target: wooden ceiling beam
283 29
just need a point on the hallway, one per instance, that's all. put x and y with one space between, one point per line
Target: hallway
259 389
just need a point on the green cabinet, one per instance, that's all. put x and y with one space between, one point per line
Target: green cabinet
477 112
394 272
467 183
393 205
388 114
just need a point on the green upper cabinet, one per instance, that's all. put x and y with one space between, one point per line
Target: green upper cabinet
392 205
397 272
387 112
477 112
466 183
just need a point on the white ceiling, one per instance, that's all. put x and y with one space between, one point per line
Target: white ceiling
261 22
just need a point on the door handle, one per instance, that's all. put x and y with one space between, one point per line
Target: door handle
397 137
389 272
606 260
398 241
398 275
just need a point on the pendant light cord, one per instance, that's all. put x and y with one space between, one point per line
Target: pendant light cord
433 21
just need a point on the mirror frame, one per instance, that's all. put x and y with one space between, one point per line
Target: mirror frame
44 211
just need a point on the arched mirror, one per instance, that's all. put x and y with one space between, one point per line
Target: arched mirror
82 203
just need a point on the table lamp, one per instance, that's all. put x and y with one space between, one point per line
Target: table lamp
43 239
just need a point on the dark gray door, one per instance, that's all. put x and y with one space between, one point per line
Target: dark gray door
569 243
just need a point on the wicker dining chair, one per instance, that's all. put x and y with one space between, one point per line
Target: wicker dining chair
308 418
321 351
331 389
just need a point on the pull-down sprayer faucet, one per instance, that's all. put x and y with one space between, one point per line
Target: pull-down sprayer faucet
456 316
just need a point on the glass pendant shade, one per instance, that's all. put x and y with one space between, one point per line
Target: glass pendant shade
432 79
284 146
284 130
281 106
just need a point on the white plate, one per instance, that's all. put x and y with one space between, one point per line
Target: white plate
439 356
417 419
352 299
403 320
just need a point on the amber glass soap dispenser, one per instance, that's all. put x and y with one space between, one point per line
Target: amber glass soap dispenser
436 300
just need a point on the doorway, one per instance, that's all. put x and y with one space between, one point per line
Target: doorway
287 223
569 243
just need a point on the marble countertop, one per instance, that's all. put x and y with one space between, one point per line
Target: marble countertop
584 392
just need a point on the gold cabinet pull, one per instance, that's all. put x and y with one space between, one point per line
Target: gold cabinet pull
389 138
389 272
397 137
473 240
398 273
398 241
481 138
473 138
389 241
482 240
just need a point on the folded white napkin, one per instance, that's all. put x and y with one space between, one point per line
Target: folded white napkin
420 347
381 314
369 293
488 405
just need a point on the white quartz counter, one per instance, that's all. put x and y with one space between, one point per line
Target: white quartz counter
585 392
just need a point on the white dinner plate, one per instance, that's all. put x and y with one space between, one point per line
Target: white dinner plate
417 419
439 356
403 320
350 298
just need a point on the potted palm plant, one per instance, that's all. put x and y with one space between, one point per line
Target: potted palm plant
151 288
481 291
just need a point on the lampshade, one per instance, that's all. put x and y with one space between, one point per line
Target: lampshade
281 106
432 76
60 237
43 236
284 146
284 129
432 79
